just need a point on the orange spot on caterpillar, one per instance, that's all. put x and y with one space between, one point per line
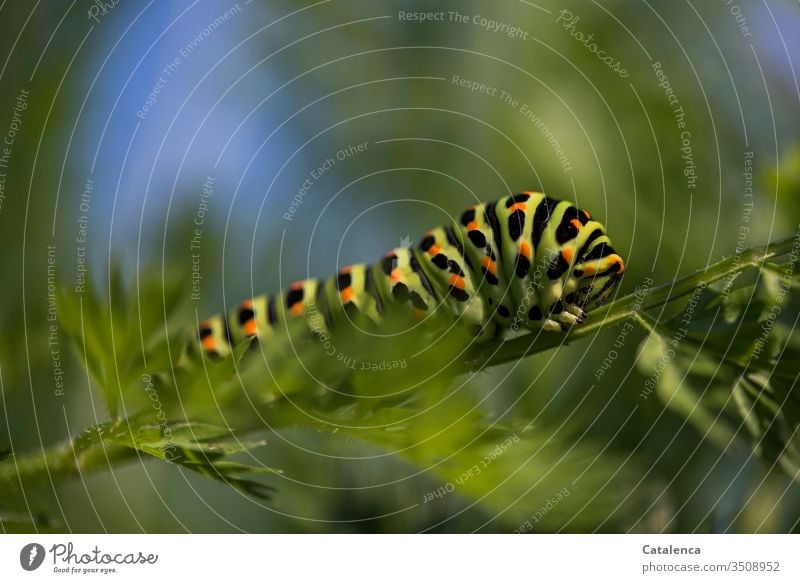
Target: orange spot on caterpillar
418 314
297 285
618 259
576 223
297 309
247 304
396 275
209 343
250 328
346 269
434 250
525 250
347 294
490 265
568 254
518 206
473 225
457 281
589 270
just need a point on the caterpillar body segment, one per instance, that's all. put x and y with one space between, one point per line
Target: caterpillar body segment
442 256
403 285
214 337
525 259
352 292
481 230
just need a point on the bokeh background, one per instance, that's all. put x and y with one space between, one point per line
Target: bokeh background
116 116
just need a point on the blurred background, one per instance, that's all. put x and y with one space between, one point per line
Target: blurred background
167 137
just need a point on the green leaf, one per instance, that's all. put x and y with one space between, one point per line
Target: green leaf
118 331
771 408
684 384
784 180
730 359
510 470
200 448
416 411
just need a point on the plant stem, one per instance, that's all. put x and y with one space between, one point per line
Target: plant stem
626 307
64 460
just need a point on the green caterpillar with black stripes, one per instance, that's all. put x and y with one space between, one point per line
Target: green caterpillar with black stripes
523 261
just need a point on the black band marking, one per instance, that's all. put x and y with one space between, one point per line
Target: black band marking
491 218
515 198
454 267
389 263
459 294
440 260
417 268
427 242
566 230
272 312
400 292
541 218
602 250
468 217
454 240
523 266
477 237
516 223
557 268
585 247
369 287
418 302
294 296
343 281
245 315
490 277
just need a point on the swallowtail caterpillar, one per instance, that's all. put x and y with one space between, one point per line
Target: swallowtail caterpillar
525 260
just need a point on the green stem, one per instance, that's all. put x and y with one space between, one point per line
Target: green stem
64 460
628 306
89 453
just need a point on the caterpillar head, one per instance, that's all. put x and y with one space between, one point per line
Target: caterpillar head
596 276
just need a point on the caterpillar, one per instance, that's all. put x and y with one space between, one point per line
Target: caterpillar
524 260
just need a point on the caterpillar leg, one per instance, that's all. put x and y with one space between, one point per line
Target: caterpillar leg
568 318
578 311
551 325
